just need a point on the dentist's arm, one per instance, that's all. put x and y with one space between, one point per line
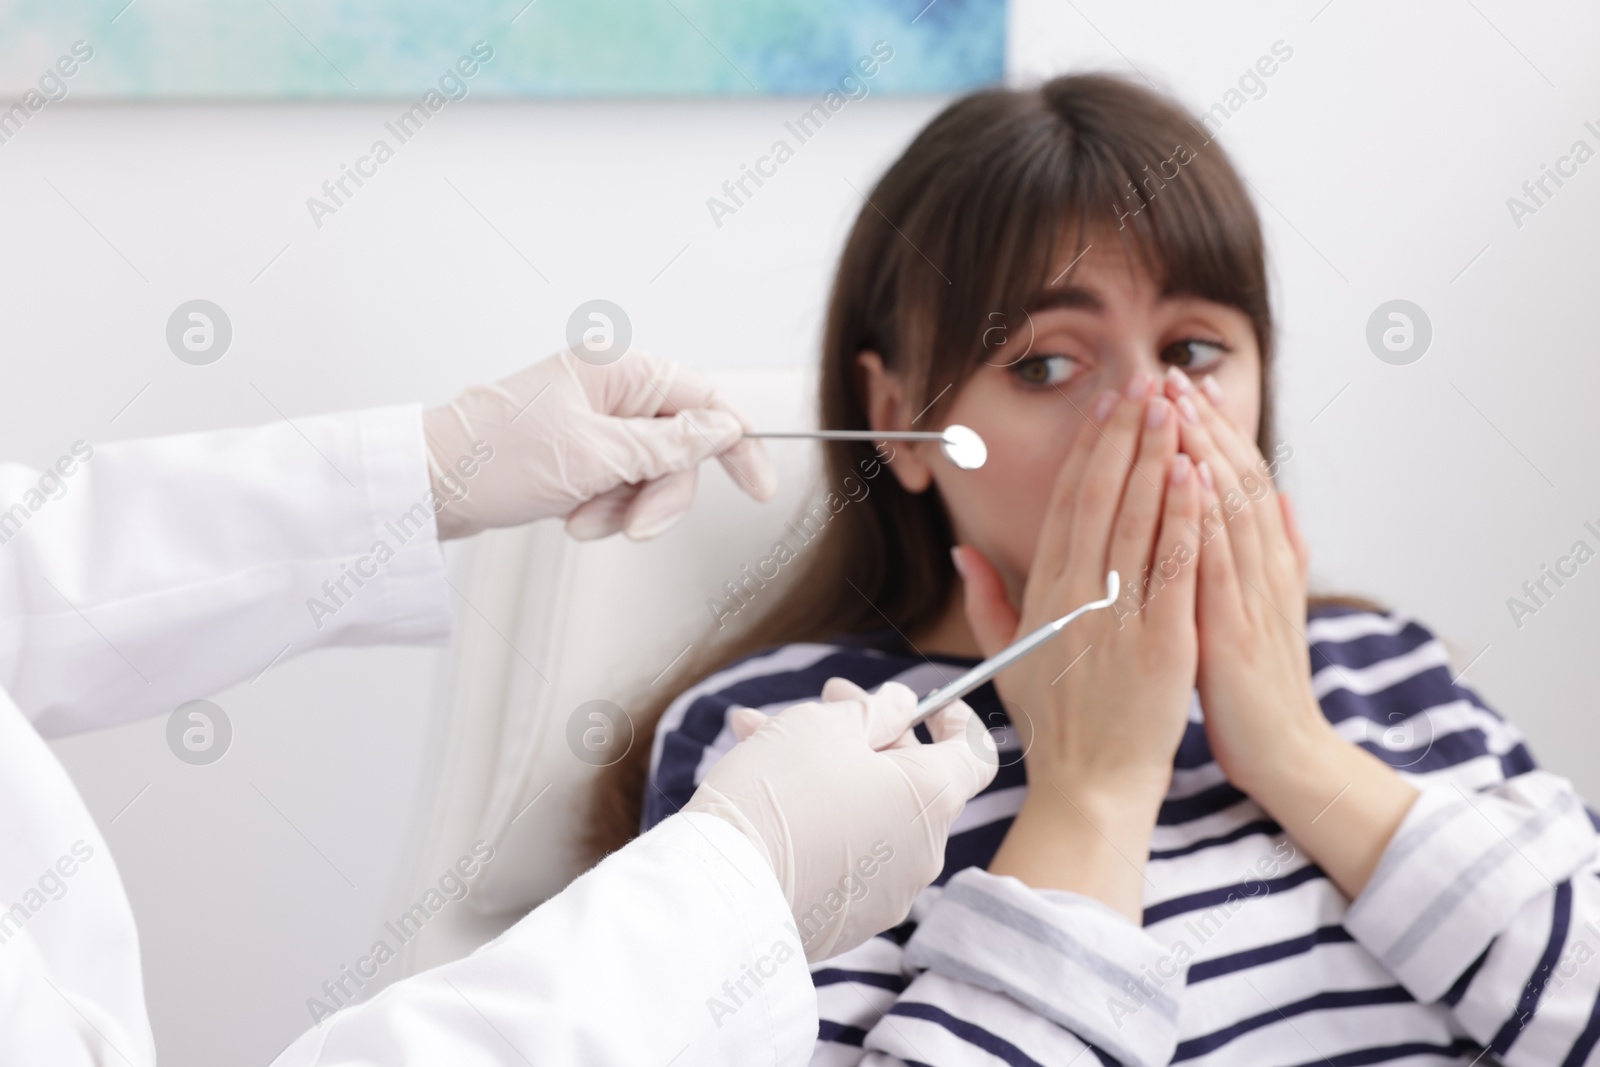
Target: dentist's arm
166 569
689 945
138 575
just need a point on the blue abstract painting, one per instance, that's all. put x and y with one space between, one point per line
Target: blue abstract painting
316 49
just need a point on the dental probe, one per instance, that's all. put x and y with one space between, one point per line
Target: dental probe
1010 654
961 445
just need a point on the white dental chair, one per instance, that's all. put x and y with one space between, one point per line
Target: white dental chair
545 624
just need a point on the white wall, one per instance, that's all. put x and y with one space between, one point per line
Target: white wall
1382 152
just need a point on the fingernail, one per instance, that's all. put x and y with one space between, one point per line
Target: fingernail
1179 380
1156 412
1186 409
1103 406
1205 475
590 526
1139 386
1180 468
955 559
1212 388
764 475
721 428
648 526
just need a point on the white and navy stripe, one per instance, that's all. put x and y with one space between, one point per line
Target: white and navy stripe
1477 939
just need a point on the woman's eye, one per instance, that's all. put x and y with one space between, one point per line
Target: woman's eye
1193 354
1045 370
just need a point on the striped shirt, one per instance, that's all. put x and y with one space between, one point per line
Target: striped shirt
1474 941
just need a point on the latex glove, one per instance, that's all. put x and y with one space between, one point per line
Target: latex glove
612 447
849 808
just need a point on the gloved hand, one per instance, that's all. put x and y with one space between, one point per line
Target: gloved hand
612 447
849 808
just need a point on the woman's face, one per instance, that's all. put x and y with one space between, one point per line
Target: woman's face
1098 325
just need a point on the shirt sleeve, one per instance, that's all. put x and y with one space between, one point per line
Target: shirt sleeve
138 575
678 948
1005 971
1489 900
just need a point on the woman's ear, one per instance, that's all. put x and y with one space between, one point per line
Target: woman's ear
886 410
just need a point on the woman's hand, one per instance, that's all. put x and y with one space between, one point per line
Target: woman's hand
1101 710
1254 665
1264 724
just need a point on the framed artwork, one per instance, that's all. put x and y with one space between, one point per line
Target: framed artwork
354 49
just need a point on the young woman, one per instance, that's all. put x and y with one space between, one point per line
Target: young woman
1228 828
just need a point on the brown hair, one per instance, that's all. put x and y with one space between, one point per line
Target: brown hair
971 219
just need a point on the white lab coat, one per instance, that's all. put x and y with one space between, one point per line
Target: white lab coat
156 572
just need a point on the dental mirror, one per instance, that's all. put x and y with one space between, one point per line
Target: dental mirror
961 445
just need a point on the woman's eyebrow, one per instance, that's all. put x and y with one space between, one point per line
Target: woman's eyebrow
1066 296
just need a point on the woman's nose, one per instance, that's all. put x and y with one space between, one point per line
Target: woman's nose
1136 374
